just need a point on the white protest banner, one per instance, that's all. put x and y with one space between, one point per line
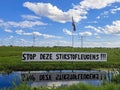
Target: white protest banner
63 56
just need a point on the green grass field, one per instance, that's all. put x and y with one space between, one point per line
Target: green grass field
10 59
79 86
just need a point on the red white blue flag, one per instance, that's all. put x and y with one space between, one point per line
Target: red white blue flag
73 24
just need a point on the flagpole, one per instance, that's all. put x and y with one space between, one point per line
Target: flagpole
72 39
74 29
33 40
81 41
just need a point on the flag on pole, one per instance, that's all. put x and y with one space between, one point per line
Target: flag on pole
73 24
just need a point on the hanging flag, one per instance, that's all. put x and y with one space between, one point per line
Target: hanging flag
73 24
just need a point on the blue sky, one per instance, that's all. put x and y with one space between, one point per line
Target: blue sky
49 22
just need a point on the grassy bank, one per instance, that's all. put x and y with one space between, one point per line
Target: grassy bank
80 86
10 58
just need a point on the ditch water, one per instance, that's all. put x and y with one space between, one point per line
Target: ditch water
56 78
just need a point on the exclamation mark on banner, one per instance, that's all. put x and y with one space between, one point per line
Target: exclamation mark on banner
103 56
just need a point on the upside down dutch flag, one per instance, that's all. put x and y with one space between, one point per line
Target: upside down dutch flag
73 24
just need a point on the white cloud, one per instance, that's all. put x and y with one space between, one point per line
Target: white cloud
96 34
11 37
3 24
36 33
59 43
113 11
78 11
86 33
22 24
108 29
96 4
98 37
101 44
27 34
54 13
1 21
98 17
8 30
50 36
25 24
106 14
66 31
23 42
30 17
98 30
43 35
20 32
113 29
